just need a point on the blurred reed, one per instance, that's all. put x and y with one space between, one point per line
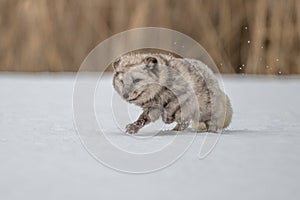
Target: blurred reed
242 36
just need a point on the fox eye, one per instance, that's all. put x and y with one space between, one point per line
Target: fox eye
137 80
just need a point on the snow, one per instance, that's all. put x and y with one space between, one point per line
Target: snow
41 155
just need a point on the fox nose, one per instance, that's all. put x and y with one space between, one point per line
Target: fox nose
125 96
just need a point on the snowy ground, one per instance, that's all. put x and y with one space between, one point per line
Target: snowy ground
41 156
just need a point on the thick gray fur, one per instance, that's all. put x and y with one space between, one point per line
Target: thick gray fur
180 90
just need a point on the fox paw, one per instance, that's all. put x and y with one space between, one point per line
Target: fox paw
132 129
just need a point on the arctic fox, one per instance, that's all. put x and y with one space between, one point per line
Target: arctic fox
169 87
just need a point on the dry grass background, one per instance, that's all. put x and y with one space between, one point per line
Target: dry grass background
56 35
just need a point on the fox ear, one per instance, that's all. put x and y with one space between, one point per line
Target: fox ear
150 61
116 64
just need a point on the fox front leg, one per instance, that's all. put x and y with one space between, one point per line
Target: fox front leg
149 115
180 126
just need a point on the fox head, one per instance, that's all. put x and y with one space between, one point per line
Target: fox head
137 77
